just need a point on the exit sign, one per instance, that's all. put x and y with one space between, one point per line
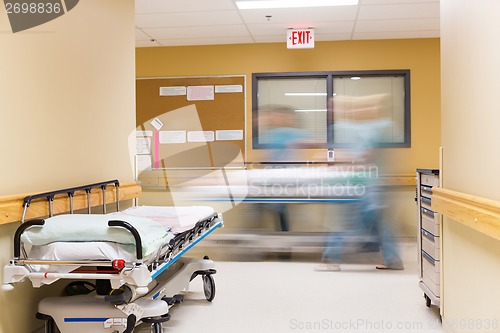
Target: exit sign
300 38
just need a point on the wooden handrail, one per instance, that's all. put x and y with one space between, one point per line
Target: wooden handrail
11 207
475 212
398 180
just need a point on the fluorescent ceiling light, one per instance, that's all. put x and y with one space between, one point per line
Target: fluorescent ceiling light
260 4
355 78
305 94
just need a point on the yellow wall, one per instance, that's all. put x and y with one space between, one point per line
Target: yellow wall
67 101
470 136
421 56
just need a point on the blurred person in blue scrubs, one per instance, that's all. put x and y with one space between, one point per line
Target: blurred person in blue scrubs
360 125
282 135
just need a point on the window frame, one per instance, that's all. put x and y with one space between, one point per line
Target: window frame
330 75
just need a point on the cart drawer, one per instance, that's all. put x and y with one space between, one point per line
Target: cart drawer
426 190
428 212
431 180
435 288
431 268
425 202
431 224
431 245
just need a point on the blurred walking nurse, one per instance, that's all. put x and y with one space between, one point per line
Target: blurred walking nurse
359 125
281 136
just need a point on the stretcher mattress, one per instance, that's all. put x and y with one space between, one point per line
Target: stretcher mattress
88 237
81 251
175 219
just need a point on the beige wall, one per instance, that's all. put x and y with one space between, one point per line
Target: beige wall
67 102
421 56
470 118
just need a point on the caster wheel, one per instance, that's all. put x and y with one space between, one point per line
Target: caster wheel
209 287
427 301
157 328
156 322
50 324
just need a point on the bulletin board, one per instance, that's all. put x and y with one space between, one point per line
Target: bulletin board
190 122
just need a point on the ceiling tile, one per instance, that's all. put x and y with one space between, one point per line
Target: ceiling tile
395 25
320 28
140 35
393 2
396 35
162 20
174 6
146 43
299 15
205 41
400 11
197 32
202 22
334 36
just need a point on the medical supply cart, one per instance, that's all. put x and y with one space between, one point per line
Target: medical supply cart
429 241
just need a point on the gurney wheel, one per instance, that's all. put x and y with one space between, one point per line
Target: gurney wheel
157 328
156 322
50 324
209 287
427 300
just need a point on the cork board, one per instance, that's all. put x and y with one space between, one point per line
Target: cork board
191 122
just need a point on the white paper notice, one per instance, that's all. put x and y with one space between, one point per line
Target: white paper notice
143 133
237 88
224 135
172 137
200 93
200 136
142 146
143 163
157 124
173 91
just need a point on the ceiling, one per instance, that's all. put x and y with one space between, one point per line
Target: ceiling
210 22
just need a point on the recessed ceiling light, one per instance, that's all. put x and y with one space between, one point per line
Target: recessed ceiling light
260 4
355 78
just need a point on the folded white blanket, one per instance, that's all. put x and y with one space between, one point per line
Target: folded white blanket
178 219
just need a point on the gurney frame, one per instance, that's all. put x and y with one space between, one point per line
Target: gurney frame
139 291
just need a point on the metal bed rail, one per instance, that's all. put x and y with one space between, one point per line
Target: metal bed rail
70 192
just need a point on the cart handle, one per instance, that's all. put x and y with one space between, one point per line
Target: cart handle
133 231
20 230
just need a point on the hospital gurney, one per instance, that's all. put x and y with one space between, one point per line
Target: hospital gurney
278 184
316 197
134 256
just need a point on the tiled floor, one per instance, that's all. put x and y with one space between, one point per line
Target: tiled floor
278 296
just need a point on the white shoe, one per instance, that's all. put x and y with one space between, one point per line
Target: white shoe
327 267
398 267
